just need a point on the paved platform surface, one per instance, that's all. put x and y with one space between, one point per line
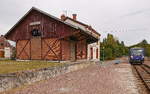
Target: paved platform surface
106 78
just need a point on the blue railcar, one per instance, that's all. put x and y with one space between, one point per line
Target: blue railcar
136 56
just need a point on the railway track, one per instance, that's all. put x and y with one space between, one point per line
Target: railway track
144 73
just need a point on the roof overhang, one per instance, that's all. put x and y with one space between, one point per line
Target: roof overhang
81 35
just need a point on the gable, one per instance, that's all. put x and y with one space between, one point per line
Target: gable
35 17
47 25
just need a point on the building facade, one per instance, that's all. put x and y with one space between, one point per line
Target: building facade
41 36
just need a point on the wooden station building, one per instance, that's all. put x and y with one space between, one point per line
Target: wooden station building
41 36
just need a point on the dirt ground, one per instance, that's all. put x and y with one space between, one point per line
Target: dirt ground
106 78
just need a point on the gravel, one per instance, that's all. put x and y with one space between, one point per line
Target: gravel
96 79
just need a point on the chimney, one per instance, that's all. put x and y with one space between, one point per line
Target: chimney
74 16
63 17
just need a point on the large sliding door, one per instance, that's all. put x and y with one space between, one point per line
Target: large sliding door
36 48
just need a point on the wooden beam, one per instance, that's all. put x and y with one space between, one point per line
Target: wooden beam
74 33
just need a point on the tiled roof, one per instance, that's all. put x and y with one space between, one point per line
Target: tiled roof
87 26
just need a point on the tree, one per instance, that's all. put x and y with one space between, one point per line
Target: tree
113 48
108 53
144 42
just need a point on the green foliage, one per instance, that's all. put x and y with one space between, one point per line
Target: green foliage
108 53
112 48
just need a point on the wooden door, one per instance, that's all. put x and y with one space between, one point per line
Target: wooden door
36 48
1 54
73 51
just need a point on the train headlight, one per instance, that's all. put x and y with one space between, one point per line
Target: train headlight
131 56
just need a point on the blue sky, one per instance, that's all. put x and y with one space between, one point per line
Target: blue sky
128 20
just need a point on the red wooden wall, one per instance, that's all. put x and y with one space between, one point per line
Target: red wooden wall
49 27
81 49
50 45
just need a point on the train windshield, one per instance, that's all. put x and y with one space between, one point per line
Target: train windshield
137 52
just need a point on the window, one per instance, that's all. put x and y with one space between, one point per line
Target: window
36 32
1 44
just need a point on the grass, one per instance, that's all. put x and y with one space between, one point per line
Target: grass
10 66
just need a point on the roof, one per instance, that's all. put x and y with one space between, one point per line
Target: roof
51 16
93 30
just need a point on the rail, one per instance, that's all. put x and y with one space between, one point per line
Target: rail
144 73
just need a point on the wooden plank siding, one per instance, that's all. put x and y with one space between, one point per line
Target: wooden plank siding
51 50
23 49
65 49
81 50
54 42
49 27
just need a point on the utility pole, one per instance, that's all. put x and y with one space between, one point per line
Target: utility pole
103 53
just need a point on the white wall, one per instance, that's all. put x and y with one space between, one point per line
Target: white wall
7 53
94 46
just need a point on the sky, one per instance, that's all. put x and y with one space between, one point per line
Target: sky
128 20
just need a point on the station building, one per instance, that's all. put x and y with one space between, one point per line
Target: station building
41 36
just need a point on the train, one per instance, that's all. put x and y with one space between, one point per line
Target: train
136 55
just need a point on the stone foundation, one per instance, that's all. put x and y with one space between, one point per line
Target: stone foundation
13 80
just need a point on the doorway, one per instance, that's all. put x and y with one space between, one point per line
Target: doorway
91 50
73 50
36 48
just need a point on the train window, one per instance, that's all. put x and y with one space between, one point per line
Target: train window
36 32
